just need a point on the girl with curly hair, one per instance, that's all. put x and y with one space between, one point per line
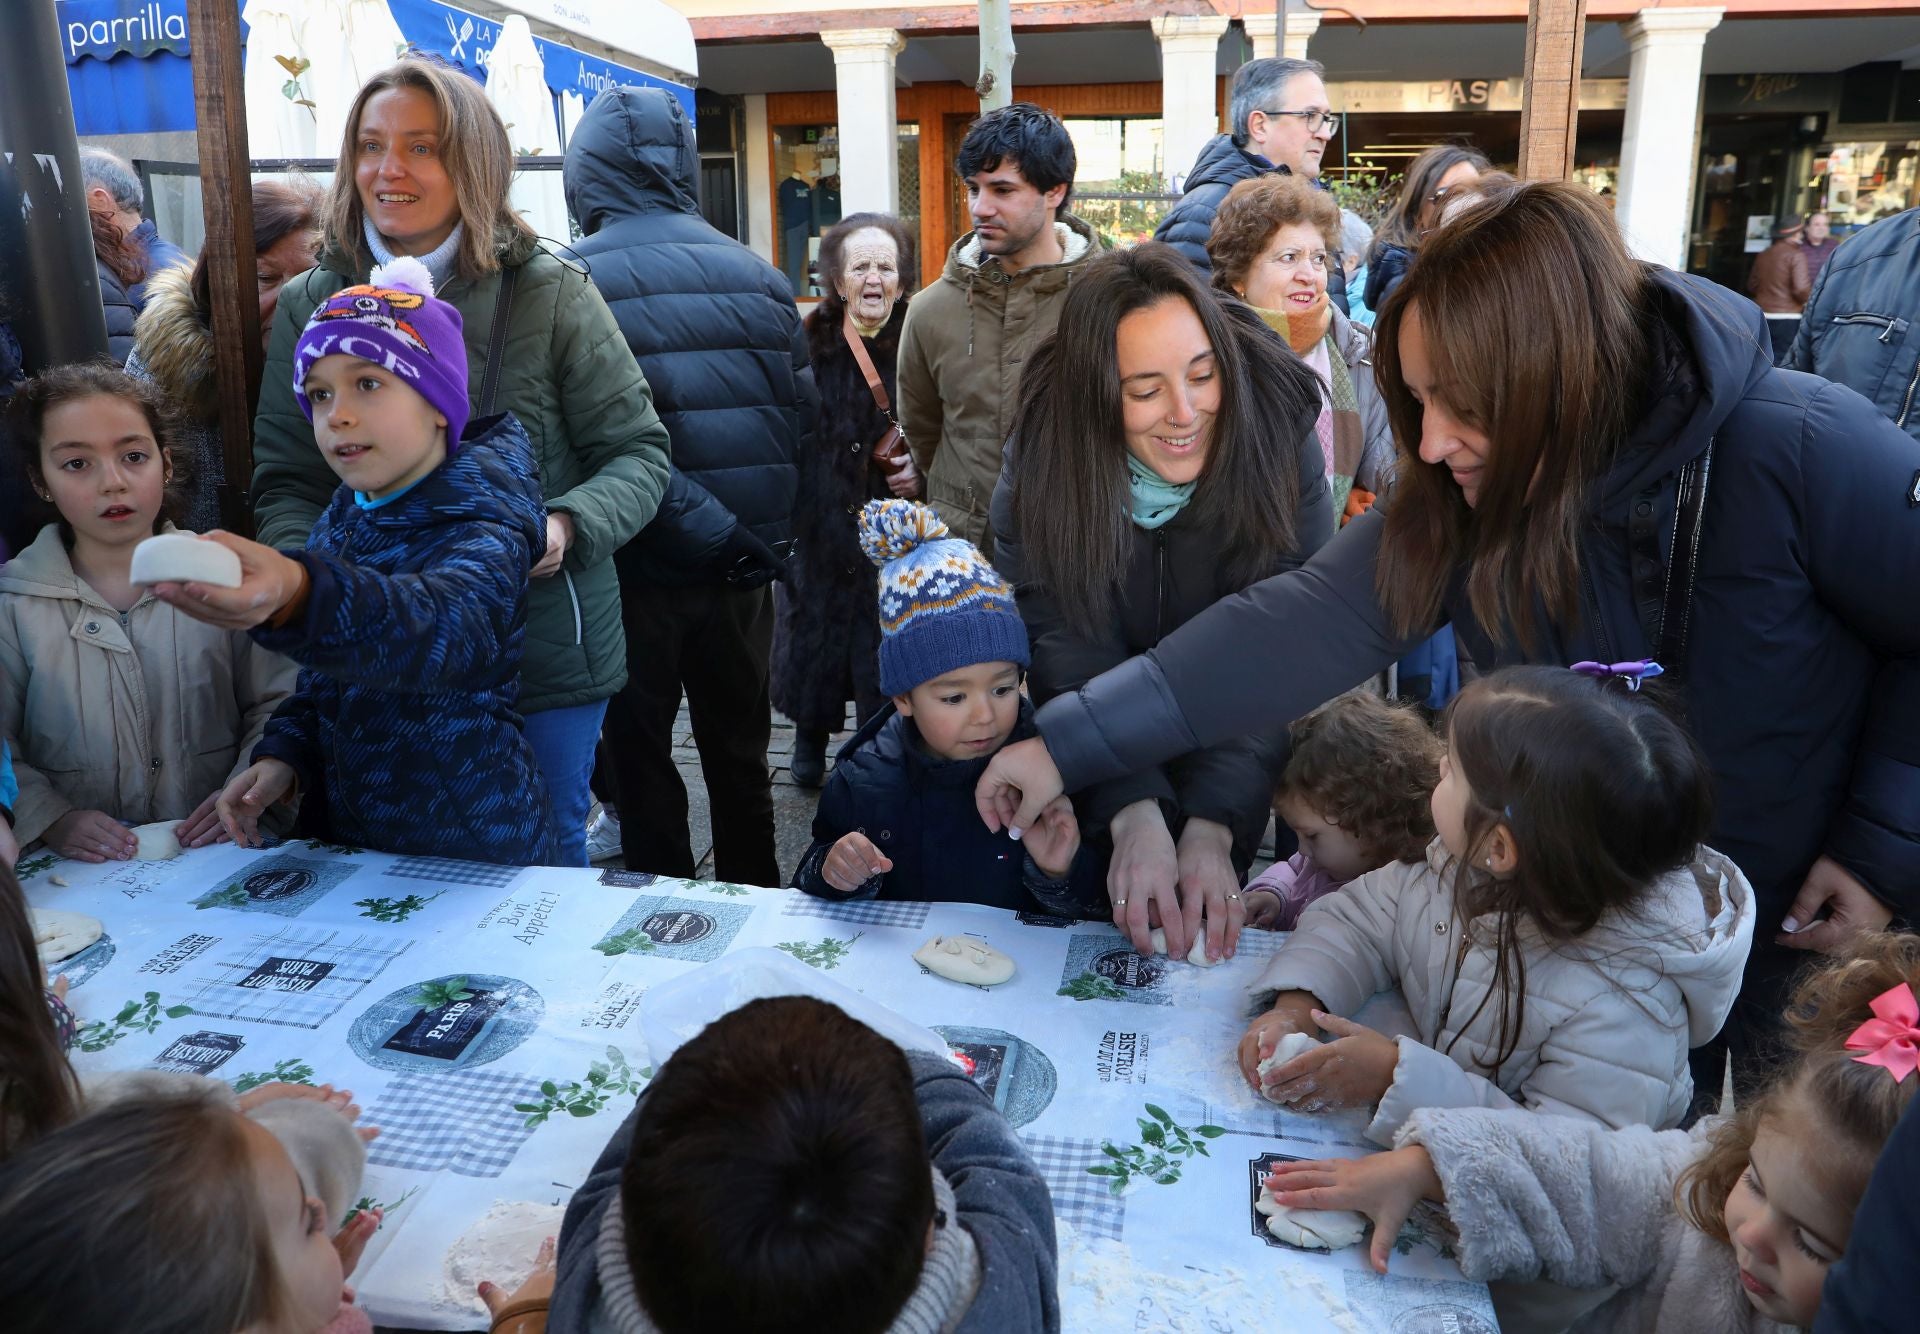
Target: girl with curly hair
1730 1226
1356 793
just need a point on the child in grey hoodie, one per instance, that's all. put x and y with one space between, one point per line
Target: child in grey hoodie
776 1176
1730 1227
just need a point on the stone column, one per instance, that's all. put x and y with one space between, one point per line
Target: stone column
1301 26
1657 151
1264 26
1261 27
1189 101
760 182
863 78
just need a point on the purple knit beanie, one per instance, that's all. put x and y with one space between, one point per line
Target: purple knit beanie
396 322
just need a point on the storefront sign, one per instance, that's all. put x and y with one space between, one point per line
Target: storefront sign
104 29
1359 99
1736 94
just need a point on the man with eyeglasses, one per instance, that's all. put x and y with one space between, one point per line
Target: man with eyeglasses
1282 122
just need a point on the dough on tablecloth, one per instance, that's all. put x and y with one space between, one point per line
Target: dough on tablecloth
1289 1046
1315 1229
61 935
183 558
500 1248
965 959
1196 953
157 843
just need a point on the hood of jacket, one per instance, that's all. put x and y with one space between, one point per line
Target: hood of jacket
633 152
175 344
889 742
44 569
1693 926
1710 348
966 261
1222 162
1353 338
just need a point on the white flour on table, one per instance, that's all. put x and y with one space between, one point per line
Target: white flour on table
500 1248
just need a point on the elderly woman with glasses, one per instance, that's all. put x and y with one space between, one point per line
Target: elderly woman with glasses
1274 242
1435 177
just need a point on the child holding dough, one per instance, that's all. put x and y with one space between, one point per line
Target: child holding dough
896 819
1731 1226
791 1169
407 608
120 710
1564 942
1357 793
209 1220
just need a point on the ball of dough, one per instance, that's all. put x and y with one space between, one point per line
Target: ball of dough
1314 1229
1289 1046
1196 953
965 959
61 935
157 843
180 557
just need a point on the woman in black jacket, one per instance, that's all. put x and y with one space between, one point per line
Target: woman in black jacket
1163 458
826 639
1599 462
1433 178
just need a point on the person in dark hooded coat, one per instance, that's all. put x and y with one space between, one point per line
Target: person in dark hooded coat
715 329
1645 485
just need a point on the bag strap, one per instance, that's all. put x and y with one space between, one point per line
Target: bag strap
1666 604
858 347
497 340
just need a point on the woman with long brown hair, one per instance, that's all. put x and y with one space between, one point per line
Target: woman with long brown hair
1598 462
1431 180
1163 458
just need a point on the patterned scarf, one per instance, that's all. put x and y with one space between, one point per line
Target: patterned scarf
1338 426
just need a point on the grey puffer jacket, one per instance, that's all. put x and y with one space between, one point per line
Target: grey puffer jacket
1861 325
1586 1207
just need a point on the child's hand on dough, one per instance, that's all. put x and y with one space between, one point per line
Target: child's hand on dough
262 784
852 862
1383 1186
268 581
91 836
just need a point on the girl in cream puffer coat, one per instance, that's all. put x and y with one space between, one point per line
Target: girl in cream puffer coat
1564 942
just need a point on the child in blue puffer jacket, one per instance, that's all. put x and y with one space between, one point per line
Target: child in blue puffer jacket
896 819
407 608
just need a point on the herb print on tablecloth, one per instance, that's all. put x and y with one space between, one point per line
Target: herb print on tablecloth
1165 1147
1106 957
293 1070
136 1016
825 954
282 884
697 930
394 910
605 1081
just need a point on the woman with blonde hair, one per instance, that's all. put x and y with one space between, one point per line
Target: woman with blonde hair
424 171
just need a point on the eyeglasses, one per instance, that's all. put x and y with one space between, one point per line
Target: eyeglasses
1315 120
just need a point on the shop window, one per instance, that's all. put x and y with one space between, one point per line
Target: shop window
806 194
1859 183
1120 183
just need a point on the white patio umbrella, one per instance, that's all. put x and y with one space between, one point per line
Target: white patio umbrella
275 84
348 41
517 87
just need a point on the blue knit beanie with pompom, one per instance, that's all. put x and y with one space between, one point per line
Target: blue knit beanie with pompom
942 606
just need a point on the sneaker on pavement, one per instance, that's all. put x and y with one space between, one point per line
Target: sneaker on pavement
603 836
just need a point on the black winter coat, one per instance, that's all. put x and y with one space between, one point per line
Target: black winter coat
715 331
120 312
1173 573
1861 326
826 636
1221 166
1385 268
1803 663
918 810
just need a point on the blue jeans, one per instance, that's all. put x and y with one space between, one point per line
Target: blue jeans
563 742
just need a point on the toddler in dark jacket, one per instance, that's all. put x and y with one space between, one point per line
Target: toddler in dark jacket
407 608
896 819
791 1169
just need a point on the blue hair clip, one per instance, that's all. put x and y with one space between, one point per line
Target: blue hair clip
1633 673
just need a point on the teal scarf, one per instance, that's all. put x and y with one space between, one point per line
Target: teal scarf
1154 500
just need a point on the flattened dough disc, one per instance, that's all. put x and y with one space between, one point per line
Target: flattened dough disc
61 935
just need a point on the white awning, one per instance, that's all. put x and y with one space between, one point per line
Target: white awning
641 33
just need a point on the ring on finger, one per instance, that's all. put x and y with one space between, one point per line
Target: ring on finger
1119 903
1233 898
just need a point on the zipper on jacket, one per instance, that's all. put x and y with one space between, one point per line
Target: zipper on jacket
1599 620
573 595
1889 325
1906 404
1160 585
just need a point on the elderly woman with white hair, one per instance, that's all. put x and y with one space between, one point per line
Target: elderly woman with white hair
1356 238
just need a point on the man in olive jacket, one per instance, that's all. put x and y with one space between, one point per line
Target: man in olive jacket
566 373
968 336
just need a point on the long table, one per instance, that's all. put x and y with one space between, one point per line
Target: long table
489 1020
